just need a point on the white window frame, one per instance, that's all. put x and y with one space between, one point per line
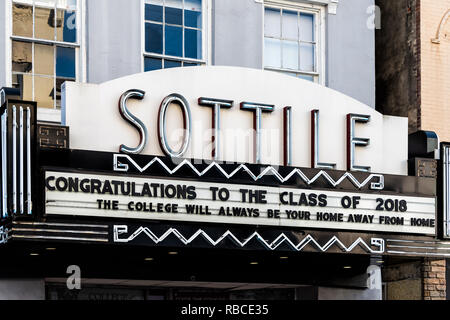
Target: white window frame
44 114
206 39
320 30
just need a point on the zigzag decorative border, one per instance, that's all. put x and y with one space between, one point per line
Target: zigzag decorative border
4 235
121 167
282 238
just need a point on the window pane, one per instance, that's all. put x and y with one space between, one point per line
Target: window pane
272 23
44 92
151 64
193 44
307 57
59 83
22 20
290 25
153 38
193 13
187 64
66 26
290 55
174 41
25 83
65 62
306 27
153 12
45 24
171 64
272 53
22 57
44 59
174 16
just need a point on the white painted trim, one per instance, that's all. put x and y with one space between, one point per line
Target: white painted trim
83 40
322 47
142 28
208 29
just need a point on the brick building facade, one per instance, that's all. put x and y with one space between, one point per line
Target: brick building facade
413 63
413 67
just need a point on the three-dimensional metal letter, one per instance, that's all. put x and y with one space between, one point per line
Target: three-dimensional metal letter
257 110
287 136
353 141
186 110
216 105
133 120
315 162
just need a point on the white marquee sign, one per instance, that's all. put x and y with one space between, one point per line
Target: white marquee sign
234 115
76 194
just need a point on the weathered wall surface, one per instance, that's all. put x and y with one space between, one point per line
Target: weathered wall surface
420 280
397 60
403 281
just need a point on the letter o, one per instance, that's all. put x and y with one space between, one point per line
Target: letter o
64 184
346 202
184 105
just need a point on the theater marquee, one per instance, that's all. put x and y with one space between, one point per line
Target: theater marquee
227 158
77 194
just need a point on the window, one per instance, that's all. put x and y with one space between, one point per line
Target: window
174 33
291 41
45 44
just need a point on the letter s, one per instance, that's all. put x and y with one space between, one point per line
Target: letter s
133 120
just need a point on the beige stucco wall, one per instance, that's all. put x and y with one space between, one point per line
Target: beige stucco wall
435 65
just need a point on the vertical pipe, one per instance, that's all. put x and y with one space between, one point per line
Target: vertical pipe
29 203
446 192
21 149
14 160
4 120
